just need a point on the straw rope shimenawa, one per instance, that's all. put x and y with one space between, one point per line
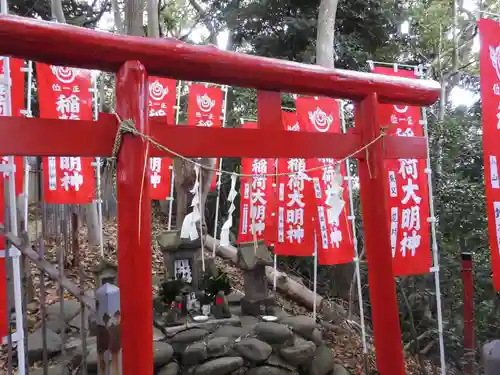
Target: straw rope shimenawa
128 126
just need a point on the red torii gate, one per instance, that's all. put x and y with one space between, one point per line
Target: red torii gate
132 58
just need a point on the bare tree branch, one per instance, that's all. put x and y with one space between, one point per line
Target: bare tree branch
191 29
206 21
94 20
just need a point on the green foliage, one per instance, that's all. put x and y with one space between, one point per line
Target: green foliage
213 284
80 13
170 289
177 18
287 30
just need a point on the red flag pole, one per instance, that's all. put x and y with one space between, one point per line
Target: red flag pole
134 223
469 347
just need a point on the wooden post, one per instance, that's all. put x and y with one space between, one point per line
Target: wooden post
75 246
134 223
376 219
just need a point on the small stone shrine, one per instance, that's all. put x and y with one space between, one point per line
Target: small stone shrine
252 259
181 257
182 260
105 272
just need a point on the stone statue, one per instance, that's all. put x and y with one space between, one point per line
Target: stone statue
221 307
174 314
185 177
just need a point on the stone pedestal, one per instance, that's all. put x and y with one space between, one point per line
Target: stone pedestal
108 328
253 261
257 300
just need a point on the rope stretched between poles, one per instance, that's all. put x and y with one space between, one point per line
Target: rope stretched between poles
128 126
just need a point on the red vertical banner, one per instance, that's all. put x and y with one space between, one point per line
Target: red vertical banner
489 34
295 203
64 93
162 100
256 198
334 236
4 325
160 177
407 189
205 109
17 106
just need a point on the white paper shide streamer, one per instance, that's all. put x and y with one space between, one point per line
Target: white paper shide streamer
189 229
224 235
334 195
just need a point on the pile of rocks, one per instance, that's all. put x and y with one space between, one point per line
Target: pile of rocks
58 329
293 345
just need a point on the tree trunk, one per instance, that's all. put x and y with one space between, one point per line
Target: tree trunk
134 12
153 19
325 56
57 11
92 218
184 181
117 17
154 32
325 37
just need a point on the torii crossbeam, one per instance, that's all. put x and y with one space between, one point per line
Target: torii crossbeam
132 58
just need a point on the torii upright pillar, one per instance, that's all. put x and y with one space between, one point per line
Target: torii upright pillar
134 223
376 219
